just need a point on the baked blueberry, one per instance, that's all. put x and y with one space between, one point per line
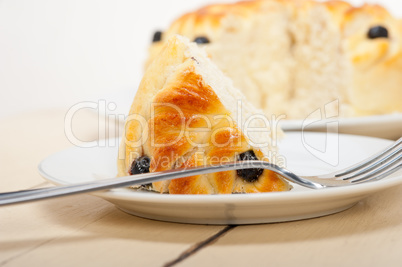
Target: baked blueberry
157 36
201 40
141 165
377 32
249 175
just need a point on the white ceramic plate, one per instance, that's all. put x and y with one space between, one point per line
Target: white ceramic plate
305 153
383 126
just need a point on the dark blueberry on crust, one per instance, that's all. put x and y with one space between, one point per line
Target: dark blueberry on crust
249 175
377 32
201 40
157 36
140 165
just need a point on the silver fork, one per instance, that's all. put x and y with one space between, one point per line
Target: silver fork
376 167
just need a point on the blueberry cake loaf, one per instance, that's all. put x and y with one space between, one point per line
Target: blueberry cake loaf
293 57
186 114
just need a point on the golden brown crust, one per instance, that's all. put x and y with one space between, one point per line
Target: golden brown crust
190 94
131 146
193 97
177 107
188 126
212 14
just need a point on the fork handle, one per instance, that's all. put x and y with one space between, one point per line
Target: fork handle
138 179
15 197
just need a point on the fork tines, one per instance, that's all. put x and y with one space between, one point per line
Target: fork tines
377 166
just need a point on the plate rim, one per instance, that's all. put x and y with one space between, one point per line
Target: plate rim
130 194
296 124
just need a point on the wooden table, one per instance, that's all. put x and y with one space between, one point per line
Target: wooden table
84 230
